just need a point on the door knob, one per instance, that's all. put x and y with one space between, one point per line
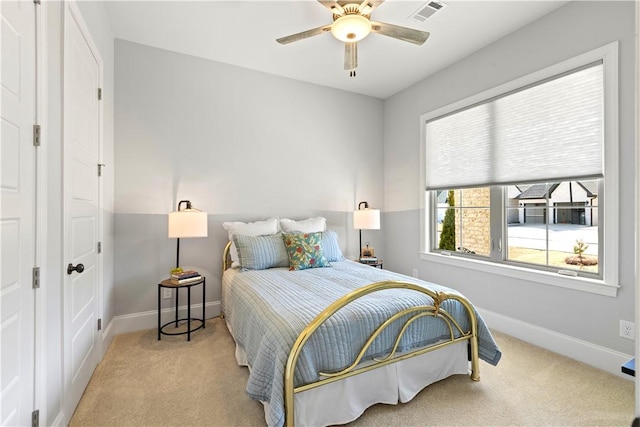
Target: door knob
79 268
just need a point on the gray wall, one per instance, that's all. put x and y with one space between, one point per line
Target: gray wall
241 145
571 30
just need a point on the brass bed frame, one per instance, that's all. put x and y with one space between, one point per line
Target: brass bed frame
414 313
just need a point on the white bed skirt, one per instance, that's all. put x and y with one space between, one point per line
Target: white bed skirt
343 401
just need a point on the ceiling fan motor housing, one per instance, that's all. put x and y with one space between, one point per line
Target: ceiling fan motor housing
351 9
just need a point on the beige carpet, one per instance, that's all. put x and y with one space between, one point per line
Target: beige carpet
145 382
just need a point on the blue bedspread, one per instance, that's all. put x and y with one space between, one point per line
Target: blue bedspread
267 309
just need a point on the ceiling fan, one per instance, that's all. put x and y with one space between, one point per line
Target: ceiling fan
352 23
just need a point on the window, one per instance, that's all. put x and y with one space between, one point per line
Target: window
548 226
524 175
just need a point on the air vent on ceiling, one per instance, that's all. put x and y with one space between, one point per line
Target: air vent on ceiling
426 10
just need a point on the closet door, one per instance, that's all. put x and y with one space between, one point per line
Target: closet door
82 138
17 210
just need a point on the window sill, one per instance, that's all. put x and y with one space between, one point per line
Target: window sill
583 284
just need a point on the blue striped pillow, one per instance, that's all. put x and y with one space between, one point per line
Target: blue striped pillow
261 252
330 246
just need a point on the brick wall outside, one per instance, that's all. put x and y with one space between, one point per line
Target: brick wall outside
473 220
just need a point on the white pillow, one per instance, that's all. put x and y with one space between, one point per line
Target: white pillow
311 225
257 228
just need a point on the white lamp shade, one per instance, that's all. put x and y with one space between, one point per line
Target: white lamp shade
188 223
366 219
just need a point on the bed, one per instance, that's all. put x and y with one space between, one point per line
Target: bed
323 344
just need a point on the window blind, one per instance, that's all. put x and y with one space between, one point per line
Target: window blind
549 131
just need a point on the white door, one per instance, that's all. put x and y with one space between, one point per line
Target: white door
17 224
82 128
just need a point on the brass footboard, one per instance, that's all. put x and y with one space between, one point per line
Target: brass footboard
414 313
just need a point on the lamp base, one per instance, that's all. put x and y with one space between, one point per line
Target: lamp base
178 253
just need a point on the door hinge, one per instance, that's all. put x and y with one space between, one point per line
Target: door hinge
35 415
36 135
36 277
99 247
36 1
99 324
100 166
99 94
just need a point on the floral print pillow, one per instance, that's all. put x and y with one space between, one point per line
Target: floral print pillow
304 250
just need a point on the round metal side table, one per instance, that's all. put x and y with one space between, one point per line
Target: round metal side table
168 284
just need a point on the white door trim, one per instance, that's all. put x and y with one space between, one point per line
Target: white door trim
41 99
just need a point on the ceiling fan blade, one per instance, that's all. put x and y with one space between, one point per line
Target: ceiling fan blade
401 33
333 6
351 57
367 6
304 34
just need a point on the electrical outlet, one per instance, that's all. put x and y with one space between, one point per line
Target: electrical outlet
627 330
415 273
167 293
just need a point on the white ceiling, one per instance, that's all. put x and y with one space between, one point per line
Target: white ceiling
243 33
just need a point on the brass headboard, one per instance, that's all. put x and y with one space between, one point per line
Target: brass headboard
226 256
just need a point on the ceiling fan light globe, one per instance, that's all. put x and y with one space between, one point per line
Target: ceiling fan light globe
351 28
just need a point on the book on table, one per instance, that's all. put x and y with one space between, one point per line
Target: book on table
369 260
185 274
192 279
183 281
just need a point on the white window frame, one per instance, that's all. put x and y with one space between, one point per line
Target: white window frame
609 283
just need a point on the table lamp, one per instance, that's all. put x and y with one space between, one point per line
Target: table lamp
186 222
365 219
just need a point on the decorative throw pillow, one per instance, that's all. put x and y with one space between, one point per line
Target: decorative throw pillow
330 246
310 225
261 252
304 250
257 228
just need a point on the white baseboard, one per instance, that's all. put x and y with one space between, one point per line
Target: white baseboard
59 420
149 319
583 351
107 337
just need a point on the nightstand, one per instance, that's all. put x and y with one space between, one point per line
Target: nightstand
168 284
377 264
